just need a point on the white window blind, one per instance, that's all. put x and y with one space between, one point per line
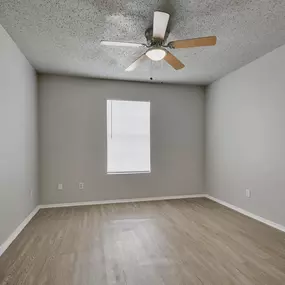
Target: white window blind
128 136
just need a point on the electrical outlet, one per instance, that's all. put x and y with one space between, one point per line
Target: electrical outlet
248 193
81 185
60 186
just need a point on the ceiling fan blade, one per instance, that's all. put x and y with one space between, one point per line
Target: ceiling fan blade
160 22
121 44
137 62
173 61
199 42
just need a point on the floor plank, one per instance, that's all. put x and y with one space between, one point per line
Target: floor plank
188 241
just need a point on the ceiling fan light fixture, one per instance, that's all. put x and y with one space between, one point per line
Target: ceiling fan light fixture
156 54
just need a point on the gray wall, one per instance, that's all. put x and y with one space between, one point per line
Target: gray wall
18 143
73 140
245 137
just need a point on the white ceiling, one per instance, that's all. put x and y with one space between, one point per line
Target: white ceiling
62 36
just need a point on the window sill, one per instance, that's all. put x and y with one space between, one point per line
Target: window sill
129 172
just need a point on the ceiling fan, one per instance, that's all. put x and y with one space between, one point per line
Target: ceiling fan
157 49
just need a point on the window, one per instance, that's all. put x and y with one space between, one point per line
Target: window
128 136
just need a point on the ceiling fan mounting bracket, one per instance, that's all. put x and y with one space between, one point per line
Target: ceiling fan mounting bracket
170 45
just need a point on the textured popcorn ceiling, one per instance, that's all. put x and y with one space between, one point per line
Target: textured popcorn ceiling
62 36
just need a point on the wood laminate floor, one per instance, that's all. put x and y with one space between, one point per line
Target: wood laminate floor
190 241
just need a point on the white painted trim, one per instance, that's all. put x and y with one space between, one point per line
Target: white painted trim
249 214
122 201
17 231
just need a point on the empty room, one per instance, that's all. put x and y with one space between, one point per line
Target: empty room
142 142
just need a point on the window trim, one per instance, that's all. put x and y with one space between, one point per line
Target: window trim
150 158
128 172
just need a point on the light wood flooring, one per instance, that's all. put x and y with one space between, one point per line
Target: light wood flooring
189 241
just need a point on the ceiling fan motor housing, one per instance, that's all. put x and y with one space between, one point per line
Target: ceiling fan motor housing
151 41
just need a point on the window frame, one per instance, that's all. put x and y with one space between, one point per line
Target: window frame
147 172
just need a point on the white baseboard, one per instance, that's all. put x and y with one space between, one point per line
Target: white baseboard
249 214
122 201
17 231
